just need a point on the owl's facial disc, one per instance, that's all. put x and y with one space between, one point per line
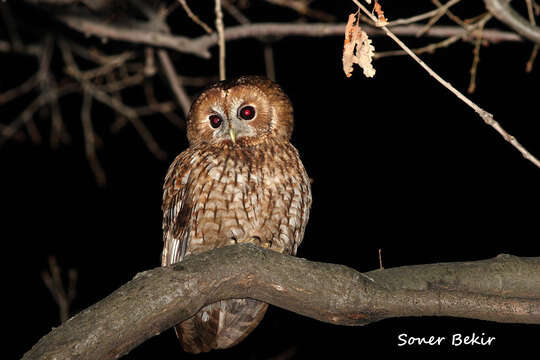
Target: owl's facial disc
233 122
243 112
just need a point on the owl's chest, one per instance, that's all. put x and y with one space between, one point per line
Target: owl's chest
241 195
243 181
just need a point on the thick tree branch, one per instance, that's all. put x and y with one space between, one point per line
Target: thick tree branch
502 11
503 289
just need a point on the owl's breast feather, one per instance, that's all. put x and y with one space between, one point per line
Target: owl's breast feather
240 193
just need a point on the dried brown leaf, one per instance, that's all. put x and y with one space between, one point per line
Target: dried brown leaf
357 49
381 20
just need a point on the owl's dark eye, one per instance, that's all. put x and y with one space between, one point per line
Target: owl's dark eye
215 121
247 112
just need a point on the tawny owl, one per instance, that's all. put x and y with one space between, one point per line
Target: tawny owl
239 181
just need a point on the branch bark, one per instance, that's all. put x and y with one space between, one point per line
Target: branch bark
502 11
502 289
142 34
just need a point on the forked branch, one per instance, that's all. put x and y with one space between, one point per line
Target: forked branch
503 289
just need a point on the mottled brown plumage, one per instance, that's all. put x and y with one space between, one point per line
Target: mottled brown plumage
240 180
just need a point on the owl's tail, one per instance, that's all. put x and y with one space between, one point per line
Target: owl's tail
220 325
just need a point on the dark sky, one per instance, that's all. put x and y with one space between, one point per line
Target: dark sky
398 164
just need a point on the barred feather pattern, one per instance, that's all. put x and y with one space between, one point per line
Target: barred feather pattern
217 197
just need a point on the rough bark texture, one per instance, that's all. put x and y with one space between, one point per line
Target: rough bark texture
503 289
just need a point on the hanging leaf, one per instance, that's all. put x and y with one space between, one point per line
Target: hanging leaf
357 49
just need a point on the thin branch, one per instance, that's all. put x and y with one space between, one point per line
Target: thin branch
155 300
474 66
19 90
149 62
454 18
424 49
234 12
530 62
30 49
221 39
89 139
530 11
175 81
269 62
62 296
268 50
476 29
11 26
413 19
302 7
442 10
26 116
58 130
502 11
194 17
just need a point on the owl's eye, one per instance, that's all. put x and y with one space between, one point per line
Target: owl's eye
247 112
215 121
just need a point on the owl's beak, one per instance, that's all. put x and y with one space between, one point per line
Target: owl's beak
232 134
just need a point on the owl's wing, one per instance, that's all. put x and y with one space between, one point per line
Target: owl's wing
176 211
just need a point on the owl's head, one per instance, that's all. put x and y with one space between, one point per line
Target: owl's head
242 112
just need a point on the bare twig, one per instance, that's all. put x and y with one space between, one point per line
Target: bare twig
26 116
476 52
440 13
268 50
221 39
89 139
412 19
474 66
530 62
532 20
194 17
62 296
11 26
58 130
454 18
302 7
234 12
475 30
175 81
149 62
269 62
19 90
425 49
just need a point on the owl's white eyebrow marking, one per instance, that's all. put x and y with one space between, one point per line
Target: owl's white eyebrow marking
218 109
235 104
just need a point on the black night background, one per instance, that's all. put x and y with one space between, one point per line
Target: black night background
398 164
